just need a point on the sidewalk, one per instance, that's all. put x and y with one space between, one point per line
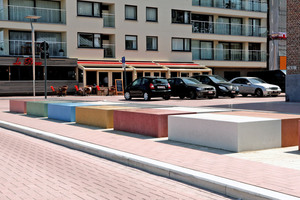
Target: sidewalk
223 173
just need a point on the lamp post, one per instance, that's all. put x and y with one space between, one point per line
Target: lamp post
32 17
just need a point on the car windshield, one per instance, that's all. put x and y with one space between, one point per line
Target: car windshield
218 79
191 81
256 80
160 81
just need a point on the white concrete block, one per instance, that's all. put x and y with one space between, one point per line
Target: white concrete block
232 133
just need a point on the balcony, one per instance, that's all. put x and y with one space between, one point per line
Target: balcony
23 48
109 50
228 29
228 55
18 13
247 5
108 20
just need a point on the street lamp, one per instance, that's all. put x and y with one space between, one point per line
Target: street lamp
32 17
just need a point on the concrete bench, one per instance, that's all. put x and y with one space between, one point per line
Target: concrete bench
289 124
66 111
228 132
20 105
149 122
40 108
100 116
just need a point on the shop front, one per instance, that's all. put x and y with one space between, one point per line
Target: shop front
105 73
16 75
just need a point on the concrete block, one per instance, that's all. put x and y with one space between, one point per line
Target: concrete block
146 121
40 108
19 105
100 116
289 124
292 89
228 132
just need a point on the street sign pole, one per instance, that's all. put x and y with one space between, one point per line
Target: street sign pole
45 49
125 75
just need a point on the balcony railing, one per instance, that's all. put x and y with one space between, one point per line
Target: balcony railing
108 20
18 13
248 5
109 50
228 55
23 47
228 29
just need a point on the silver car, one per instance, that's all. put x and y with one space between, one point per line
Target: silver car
255 86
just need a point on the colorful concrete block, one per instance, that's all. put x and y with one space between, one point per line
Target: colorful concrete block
228 132
100 116
149 122
40 108
289 124
20 105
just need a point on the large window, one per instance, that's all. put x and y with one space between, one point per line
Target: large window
152 42
130 12
90 9
232 51
180 16
131 42
254 27
202 50
89 40
151 14
181 44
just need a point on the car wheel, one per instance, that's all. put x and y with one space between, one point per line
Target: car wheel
181 97
147 96
259 92
210 97
232 96
244 95
127 96
167 97
192 95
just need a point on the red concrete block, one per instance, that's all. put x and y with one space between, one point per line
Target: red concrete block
19 105
289 125
149 122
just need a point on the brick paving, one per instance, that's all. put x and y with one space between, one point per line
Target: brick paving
35 169
263 175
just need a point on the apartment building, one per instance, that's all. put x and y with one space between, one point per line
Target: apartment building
87 39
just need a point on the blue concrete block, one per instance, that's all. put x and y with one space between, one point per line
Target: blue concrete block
66 111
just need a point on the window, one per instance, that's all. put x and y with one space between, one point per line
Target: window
131 42
254 27
89 40
89 9
181 44
130 12
181 17
151 14
231 51
152 43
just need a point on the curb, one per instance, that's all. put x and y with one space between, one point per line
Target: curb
203 180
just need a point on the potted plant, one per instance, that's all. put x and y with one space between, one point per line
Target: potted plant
61 52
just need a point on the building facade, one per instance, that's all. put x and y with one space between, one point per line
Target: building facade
87 39
293 51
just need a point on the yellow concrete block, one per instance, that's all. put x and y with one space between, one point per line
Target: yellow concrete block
100 116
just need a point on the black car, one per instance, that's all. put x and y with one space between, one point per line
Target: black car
223 87
148 87
191 88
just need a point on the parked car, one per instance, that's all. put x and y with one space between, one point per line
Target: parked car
276 77
148 87
223 87
191 88
255 86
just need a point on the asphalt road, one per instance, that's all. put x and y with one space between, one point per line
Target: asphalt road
35 169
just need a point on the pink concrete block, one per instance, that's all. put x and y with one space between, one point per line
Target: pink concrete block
19 105
149 122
